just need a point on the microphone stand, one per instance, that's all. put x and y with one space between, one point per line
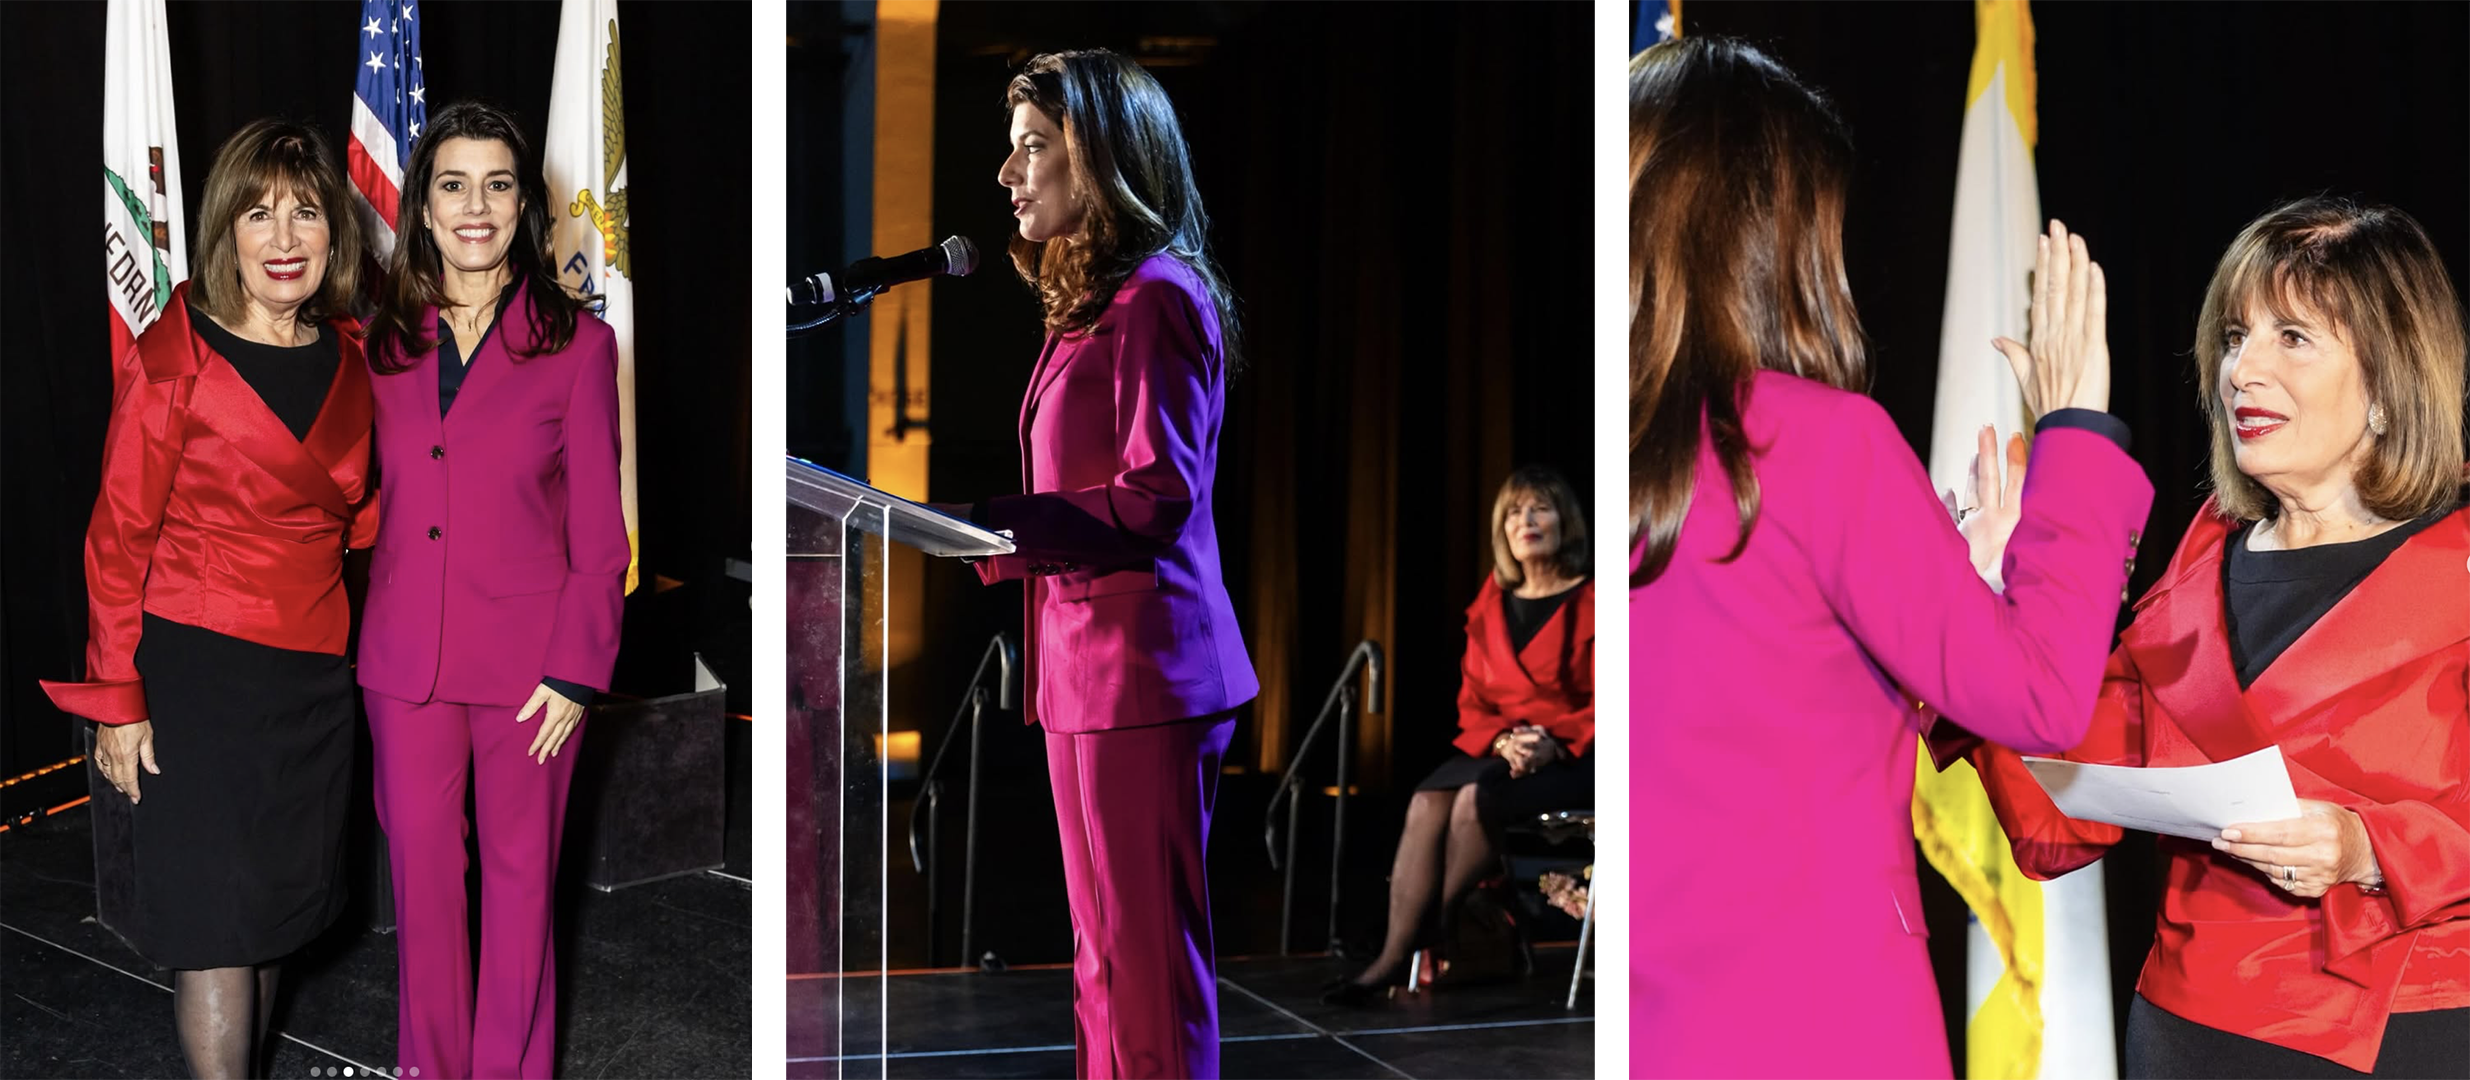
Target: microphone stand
833 312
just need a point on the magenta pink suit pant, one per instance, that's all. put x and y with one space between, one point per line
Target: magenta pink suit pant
1133 805
425 757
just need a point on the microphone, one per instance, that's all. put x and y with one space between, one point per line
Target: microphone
955 256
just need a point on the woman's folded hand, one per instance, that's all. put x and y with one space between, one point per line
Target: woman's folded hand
1529 749
2326 845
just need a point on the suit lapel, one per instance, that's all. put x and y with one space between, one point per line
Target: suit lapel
1038 380
175 352
339 438
1550 641
1496 633
2181 644
2395 616
490 364
224 403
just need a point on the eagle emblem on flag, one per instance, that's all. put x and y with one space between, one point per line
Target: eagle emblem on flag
608 214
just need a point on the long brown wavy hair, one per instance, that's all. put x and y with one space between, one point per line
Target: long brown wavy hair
415 274
1133 172
1738 176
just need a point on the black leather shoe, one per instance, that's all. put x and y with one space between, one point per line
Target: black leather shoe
1353 994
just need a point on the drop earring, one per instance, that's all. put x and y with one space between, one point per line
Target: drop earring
2375 419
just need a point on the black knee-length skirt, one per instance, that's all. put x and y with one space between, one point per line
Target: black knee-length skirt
1565 784
239 842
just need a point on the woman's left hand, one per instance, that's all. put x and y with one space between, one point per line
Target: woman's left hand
1997 503
559 715
2326 845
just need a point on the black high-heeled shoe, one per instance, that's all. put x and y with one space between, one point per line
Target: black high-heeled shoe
1353 994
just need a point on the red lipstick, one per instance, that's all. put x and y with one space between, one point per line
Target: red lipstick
2258 423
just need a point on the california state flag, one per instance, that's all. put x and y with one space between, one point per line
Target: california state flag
144 250
585 158
2038 964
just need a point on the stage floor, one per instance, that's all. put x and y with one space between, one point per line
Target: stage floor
652 979
1272 1023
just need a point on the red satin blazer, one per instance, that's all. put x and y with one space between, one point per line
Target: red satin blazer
212 515
2371 708
1550 683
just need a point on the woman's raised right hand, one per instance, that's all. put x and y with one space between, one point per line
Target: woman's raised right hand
120 750
2067 366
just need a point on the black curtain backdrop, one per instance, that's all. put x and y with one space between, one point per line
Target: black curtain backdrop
1398 195
686 93
2164 129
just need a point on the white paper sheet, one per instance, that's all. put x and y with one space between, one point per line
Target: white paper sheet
2193 801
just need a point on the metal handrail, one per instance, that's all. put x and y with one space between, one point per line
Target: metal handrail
1340 703
1007 658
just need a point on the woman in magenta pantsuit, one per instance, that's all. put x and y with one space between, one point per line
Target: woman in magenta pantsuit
1797 589
1135 662
496 589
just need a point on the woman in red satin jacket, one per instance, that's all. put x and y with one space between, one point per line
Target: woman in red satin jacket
235 473
1526 718
2321 603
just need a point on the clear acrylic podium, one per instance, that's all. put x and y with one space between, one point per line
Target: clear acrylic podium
841 533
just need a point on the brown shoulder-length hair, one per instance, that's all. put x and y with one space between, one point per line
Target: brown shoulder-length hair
1133 172
415 274
1738 175
261 159
2372 272
1573 557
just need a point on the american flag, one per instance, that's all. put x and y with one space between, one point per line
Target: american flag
389 107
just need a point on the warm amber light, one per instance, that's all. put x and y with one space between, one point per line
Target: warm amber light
898 335
899 748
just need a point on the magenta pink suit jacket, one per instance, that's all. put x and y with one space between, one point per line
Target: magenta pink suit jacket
1128 621
501 547
1777 920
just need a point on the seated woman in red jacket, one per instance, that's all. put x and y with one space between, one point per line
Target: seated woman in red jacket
1526 714
2320 602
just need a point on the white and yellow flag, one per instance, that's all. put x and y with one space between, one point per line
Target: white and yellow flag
145 250
2038 999
585 159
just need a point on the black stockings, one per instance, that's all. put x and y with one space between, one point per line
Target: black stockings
222 1016
1451 844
